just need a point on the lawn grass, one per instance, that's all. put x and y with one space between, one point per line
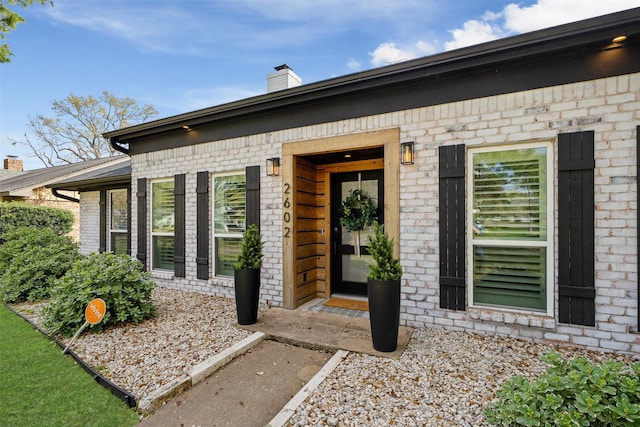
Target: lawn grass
41 387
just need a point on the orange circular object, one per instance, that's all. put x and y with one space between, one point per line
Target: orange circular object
95 311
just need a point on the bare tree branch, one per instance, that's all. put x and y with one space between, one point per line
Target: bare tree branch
75 132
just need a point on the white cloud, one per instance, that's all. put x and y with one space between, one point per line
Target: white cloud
353 64
516 18
182 100
159 28
548 13
473 32
389 53
211 28
491 16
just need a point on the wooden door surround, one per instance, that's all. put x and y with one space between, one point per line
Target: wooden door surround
306 207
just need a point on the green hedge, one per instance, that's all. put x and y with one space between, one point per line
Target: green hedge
14 215
117 279
31 259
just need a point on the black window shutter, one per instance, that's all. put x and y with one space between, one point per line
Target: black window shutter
142 222
252 195
575 228
452 233
129 220
103 221
202 225
179 237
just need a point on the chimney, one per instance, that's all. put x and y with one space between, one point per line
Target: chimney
283 78
13 163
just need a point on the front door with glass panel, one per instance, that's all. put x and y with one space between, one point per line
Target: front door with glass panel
349 249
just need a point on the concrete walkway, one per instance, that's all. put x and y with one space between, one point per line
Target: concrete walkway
325 331
249 391
260 385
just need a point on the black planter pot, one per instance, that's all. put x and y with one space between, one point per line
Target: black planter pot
384 313
247 287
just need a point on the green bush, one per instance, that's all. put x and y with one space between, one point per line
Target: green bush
385 266
117 279
571 393
250 255
31 260
15 215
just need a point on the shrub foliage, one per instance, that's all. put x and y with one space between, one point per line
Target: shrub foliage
571 393
15 215
117 279
385 265
31 259
250 249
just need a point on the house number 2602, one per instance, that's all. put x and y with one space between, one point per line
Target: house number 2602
287 214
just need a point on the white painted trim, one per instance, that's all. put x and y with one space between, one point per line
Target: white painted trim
548 243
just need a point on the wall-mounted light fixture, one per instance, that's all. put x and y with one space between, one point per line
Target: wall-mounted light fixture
273 166
187 128
406 153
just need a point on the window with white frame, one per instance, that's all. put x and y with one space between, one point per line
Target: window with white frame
228 219
510 226
118 221
162 224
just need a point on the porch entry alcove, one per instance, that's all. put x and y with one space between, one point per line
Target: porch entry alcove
308 211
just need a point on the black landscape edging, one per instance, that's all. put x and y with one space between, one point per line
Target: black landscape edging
116 390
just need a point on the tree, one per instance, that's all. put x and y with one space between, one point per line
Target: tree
8 22
75 133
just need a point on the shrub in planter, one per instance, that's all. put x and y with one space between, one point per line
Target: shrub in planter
117 279
250 249
576 392
383 291
15 215
31 259
246 275
385 266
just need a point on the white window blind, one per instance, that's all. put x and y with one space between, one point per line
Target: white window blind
163 207
509 227
162 224
229 216
118 221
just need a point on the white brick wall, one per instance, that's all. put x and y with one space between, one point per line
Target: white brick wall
610 107
90 222
227 156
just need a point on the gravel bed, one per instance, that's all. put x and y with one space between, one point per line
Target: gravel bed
189 329
444 378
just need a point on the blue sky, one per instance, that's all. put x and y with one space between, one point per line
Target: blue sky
184 55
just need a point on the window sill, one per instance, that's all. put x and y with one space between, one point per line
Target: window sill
162 274
512 317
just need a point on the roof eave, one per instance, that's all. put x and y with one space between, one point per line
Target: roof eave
572 35
92 184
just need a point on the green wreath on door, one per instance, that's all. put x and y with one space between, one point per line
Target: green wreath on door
357 211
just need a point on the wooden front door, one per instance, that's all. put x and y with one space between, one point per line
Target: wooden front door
349 250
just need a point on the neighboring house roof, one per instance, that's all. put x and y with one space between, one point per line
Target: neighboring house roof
5 173
553 56
116 175
23 185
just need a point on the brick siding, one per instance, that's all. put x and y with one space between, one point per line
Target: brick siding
90 222
610 107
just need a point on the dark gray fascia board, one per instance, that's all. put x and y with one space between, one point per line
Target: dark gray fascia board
93 184
590 34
